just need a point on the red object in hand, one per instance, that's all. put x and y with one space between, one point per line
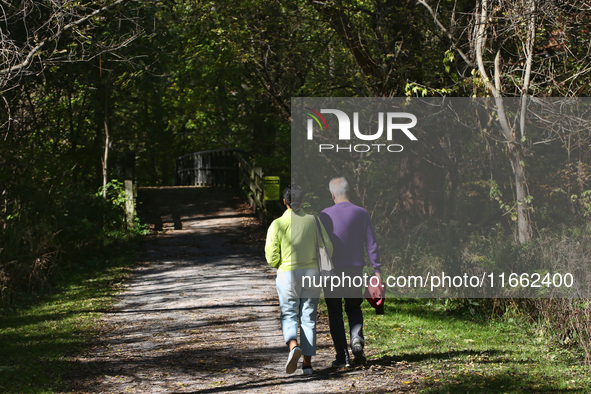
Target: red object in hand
374 293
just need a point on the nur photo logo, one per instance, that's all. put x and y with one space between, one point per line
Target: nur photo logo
388 121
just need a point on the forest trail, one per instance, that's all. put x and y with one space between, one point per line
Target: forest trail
200 313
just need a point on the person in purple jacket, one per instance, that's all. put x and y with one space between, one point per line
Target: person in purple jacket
351 232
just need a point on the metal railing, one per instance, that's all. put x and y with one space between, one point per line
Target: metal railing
208 168
223 168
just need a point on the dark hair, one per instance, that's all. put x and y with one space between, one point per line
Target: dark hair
293 196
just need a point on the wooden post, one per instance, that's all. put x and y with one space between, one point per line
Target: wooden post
130 203
260 193
197 172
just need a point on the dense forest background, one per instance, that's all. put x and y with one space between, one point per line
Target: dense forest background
84 86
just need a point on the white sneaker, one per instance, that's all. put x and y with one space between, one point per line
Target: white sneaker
308 370
292 360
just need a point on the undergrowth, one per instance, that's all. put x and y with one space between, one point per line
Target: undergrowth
447 346
41 334
46 233
566 321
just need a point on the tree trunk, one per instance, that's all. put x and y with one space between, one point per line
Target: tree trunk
508 133
107 141
523 226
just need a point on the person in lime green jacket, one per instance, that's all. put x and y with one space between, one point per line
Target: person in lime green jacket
291 247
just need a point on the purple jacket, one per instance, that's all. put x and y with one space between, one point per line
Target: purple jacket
351 233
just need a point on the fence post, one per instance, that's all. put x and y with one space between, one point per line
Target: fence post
130 193
196 170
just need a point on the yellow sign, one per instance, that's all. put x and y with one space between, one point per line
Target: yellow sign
272 188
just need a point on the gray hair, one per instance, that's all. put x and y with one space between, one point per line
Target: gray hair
339 186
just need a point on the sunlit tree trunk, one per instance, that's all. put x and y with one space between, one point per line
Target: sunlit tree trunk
479 43
105 164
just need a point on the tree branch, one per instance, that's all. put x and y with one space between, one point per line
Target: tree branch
29 59
447 33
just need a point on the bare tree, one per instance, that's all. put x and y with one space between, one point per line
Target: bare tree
34 35
505 44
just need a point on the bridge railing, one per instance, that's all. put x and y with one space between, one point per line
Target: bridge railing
208 168
224 168
251 178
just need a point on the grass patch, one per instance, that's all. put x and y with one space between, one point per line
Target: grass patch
443 351
39 336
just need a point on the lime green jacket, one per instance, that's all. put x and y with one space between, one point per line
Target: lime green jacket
292 242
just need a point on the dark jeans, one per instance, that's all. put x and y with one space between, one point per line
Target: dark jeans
337 325
353 297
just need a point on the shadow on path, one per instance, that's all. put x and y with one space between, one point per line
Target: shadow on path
200 314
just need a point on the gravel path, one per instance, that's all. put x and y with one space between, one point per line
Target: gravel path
200 313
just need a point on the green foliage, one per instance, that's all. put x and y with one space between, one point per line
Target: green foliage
220 74
507 209
564 321
448 59
583 202
38 334
448 346
53 232
114 192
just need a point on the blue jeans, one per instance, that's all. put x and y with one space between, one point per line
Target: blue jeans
299 302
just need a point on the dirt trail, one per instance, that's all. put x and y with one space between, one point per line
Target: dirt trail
200 314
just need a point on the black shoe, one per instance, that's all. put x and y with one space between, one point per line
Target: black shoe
340 364
357 350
